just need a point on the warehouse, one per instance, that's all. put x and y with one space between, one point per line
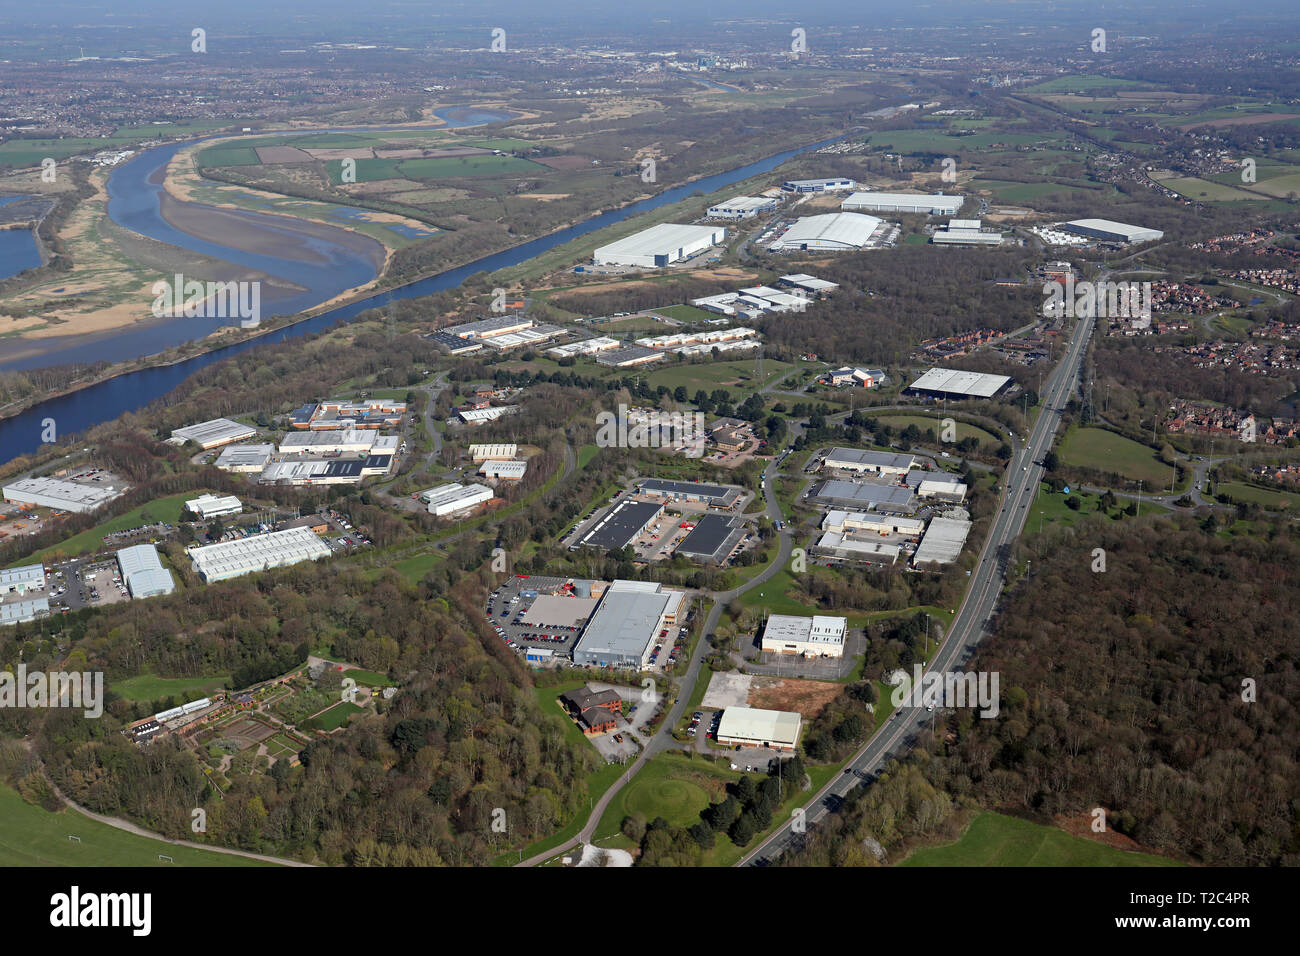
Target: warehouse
625 522
715 496
622 631
346 441
934 205
537 335
480 416
210 434
943 541
505 470
659 245
855 494
372 413
29 577
954 383
59 495
831 232
870 522
752 727
454 498
741 207
628 357
965 232
937 484
374 465
816 636
313 472
841 547
1108 230
711 541
245 459
229 559
878 462
211 506
488 328
452 344
818 185
143 572
810 284
601 343
772 300
16 612
493 452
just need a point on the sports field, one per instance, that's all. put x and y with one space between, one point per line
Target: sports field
1109 452
993 839
30 836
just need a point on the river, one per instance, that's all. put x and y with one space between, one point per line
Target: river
105 401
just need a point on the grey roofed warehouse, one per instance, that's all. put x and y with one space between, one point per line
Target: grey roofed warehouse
715 495
854 494
621 526
711 540
625 624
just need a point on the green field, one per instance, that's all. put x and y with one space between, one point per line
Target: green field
368 678
1265 498
685 313
1109 452
228 156
997 840
736 377
669 786
1028 192
1069 84
925 422
1194 188
337 716
160 509
933 141
30 836
148 687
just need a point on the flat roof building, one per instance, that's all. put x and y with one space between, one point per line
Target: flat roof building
842 547
833 184
1108 230
871 523
816 636
712 540
753 727
228 559
489 328
370 413
831 232
955 383
143 572
801 280
623 629
716 496
659 245
16 612
245 459
211 506
505 470
210 434
932 205
856 494
943 541
59 495
742 207
493 452
861 460
453 498
333 441
625 522
479 416
937 484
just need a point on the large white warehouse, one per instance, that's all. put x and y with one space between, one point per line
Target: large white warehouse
451 498
742 207
1110 231
832 232
59 495
143 573
229 559
934 205
659 245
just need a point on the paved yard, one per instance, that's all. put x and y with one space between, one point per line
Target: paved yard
727 689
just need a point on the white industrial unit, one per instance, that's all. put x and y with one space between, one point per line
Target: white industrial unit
228 559
244 459
943 541
450 498
211 506
955 383
741 207
343 441
659 245
497 452
60 495
143 573
1110 231
818 185
507 470
210 434
816 636
752 727
831 232
29 577
933 205
857 459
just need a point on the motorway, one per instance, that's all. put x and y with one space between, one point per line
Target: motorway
971 622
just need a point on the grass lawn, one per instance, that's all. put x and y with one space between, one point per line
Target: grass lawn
771 597
1054 510
1240 491
993 839
685 313
337 716
586 453
30 836
671 786
736 377
148 687
368 678
1109 452
160 509
926 422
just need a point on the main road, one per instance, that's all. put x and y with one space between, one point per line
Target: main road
1024 472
